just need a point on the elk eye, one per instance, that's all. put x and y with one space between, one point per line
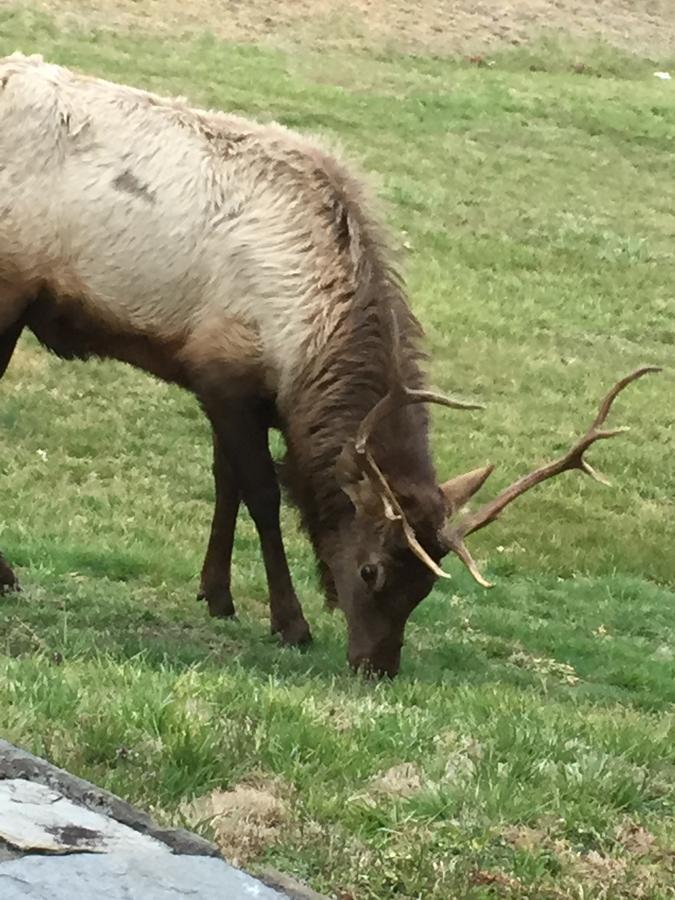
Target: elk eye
369 574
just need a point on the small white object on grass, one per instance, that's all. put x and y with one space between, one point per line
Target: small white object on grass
664 76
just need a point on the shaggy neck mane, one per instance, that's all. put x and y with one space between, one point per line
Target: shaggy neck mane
342 382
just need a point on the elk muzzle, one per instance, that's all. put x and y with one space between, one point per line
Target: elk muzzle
374 646
382 662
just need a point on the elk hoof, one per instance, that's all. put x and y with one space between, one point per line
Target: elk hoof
294 634
10 587
219 601
8 580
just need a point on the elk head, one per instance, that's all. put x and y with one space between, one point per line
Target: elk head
392 548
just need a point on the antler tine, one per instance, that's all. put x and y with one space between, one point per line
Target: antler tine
460 549
399 394
404 396
573 459
395 513
606 404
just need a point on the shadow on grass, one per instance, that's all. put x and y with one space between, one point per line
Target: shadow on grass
603 640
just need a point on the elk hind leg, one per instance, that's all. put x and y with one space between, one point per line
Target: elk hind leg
8 340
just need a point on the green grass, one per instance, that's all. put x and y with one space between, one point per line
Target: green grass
537 718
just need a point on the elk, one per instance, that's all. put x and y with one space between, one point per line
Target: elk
241 262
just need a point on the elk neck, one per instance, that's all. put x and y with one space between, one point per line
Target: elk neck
337 387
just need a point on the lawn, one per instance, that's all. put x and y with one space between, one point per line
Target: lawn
528 747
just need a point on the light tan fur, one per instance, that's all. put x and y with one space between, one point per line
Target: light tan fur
169 226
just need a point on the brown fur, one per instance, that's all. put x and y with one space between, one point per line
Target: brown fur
340 384
225 351
8 340
214 351
332 394
67 327
8 580
127 181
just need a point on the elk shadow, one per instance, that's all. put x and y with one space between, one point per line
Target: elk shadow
526 633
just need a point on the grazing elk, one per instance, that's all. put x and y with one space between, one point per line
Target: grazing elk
239 261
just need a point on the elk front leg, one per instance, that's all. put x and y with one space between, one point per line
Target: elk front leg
242 433
215 580
8 340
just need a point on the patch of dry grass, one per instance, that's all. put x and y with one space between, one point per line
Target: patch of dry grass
245 821
438 27
402 780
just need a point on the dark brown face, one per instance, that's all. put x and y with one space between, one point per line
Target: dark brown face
379 582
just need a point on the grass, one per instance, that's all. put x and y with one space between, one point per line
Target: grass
535 721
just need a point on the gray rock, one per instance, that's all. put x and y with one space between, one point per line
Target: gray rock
35 818
116 876
7 852
62 838
17 763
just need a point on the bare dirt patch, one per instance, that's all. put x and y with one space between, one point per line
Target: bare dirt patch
441 27
635 840
245 820
639 868
403 780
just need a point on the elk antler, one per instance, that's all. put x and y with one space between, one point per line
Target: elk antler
573 459
398 396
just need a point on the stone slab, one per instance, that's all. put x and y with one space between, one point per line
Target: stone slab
117 876
63 838
17 763
38 819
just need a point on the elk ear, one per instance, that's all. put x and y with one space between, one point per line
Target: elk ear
364 498
460 489
357 486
